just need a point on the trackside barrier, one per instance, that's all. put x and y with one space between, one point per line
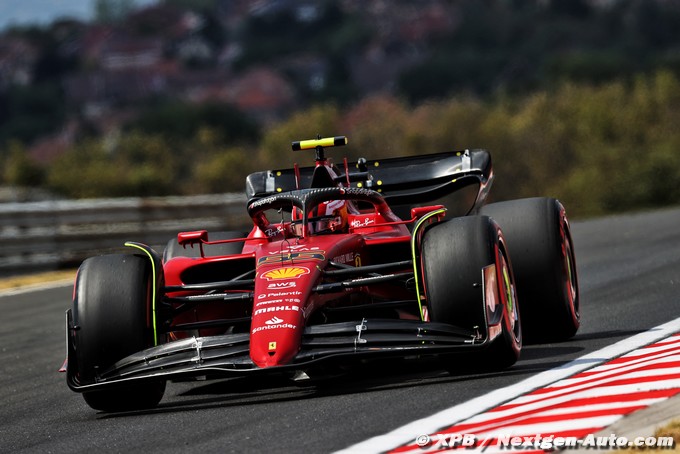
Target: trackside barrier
56 234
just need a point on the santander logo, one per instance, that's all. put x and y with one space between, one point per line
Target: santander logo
273 321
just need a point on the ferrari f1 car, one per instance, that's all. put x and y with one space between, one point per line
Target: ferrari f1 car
329 274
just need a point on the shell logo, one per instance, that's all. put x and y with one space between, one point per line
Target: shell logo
290 272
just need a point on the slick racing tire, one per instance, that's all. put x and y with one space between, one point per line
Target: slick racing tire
112 301
174 249
454 254
540 244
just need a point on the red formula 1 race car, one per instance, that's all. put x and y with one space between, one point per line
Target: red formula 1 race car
342 264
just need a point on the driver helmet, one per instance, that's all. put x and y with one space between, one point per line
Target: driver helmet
329 216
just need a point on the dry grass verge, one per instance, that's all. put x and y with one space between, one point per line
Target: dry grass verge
16 282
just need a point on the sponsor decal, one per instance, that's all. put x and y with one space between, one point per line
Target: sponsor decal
349 257
356 223
344 258
278 285
289 272
273 321
262 303
278 301
358 191
272 346
262 296
273 231
296 248
277 309
290 256
261 202
273 326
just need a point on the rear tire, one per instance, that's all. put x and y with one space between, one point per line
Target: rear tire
112 303
174 249
454 253
542 250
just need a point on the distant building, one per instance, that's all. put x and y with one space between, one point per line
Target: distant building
17 57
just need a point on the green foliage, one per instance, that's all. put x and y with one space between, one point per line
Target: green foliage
629 158
195 5
275 147
28 112
183 121
517 47
111 11
271 35
133 165
224 171
600 149
85 171
19 169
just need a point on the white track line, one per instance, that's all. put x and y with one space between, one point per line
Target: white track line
450 416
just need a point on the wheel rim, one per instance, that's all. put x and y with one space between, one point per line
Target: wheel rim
510 295
569 273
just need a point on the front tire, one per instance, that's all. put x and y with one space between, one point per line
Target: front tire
454 255
539 239
111 309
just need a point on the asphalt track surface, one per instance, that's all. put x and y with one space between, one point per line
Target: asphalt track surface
629 271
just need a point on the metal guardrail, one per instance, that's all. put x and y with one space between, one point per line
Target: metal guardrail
56 234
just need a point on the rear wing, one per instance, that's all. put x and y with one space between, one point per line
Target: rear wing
403 180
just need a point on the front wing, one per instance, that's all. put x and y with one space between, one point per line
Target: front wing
228 355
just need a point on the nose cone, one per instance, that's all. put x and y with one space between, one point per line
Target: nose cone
278 314
286 274
276 334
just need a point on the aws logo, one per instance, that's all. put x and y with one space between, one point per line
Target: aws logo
289 257
289 272
281 285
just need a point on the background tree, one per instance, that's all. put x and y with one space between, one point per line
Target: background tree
19 169
112 11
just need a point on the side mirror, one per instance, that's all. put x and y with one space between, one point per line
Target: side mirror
419 212
189 238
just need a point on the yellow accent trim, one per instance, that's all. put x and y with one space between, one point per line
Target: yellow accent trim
508 289
360 185
279 189
153 290
278 174
413 255
325 142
